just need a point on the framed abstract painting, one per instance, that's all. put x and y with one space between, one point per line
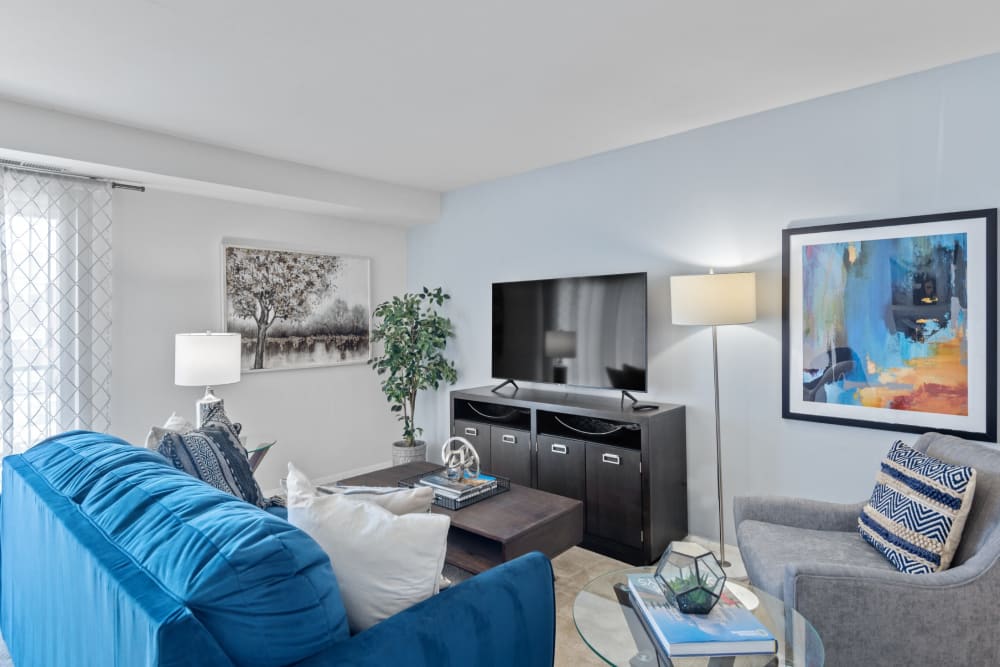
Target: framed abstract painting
891 324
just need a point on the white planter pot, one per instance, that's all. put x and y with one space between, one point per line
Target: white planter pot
402 454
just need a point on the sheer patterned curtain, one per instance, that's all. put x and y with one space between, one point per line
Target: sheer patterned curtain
55 306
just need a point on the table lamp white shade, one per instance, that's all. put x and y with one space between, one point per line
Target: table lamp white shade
560 344
206 359
713 298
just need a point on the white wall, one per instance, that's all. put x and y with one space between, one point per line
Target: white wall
167 280
719 197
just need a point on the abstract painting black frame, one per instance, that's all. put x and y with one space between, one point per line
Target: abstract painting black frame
979 224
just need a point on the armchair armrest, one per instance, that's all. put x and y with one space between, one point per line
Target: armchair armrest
797 512
504 617
872 616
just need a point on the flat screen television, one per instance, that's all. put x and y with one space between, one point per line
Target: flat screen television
588 331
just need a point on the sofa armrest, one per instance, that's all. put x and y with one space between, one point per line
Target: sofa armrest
797 512
872 616
504 617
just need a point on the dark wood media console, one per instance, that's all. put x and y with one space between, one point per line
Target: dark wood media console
628 467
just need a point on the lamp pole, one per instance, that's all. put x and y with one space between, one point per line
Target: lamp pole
718 445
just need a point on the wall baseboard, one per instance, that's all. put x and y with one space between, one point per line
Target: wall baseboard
337 476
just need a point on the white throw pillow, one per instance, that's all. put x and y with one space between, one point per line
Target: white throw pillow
398 500
174 424
384 563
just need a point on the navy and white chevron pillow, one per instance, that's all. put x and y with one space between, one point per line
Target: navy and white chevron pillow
918 509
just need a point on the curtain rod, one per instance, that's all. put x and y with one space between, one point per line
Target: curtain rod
58 171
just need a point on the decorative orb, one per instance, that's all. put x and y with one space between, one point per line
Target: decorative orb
461 459
691 576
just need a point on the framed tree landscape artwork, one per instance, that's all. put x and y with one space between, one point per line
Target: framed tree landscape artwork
296 309
891 324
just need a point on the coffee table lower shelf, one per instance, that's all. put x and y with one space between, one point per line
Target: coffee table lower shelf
471 552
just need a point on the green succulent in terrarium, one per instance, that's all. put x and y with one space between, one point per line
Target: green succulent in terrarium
691 577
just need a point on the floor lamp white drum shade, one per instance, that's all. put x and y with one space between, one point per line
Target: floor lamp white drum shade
713 298
204 360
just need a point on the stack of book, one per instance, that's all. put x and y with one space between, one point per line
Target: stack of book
728 629
460 489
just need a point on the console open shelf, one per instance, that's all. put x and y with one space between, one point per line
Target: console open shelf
610 431
492 413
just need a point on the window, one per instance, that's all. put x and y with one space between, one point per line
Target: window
55 306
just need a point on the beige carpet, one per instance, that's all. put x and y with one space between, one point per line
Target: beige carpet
574 569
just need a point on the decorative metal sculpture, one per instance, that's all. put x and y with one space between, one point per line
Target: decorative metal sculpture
463 460
691 576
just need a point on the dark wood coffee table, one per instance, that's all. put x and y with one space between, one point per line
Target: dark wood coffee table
500 528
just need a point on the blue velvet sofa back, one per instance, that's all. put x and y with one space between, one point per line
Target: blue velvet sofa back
109 556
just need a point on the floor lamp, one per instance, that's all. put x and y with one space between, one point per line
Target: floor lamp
714 299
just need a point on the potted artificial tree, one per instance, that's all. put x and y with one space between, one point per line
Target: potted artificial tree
413 336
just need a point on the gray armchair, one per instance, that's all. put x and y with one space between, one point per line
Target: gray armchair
810 554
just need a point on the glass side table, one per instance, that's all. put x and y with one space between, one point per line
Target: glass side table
611 629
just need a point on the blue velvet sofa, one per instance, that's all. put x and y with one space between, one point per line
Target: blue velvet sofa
110 556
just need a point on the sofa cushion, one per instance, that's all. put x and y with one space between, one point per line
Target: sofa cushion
174 424
263 588
214 454
918 509
767 548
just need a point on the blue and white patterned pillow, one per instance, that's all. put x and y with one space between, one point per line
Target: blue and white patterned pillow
213 454
918 509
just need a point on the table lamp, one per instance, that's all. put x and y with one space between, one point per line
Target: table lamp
714 299
206 359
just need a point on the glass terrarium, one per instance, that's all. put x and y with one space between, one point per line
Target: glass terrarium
691 577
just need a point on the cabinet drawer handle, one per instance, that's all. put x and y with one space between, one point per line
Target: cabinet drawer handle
611 458
471 431
509 439
558 449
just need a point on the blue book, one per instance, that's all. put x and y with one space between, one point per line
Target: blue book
726 630
461 488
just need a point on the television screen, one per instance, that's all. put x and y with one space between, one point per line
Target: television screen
588 331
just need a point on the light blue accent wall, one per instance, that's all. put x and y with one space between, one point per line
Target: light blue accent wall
719 197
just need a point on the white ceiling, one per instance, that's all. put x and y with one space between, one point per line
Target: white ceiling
444 93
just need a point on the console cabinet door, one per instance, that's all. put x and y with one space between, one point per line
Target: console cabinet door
510 454
562 465
479 435
614 494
